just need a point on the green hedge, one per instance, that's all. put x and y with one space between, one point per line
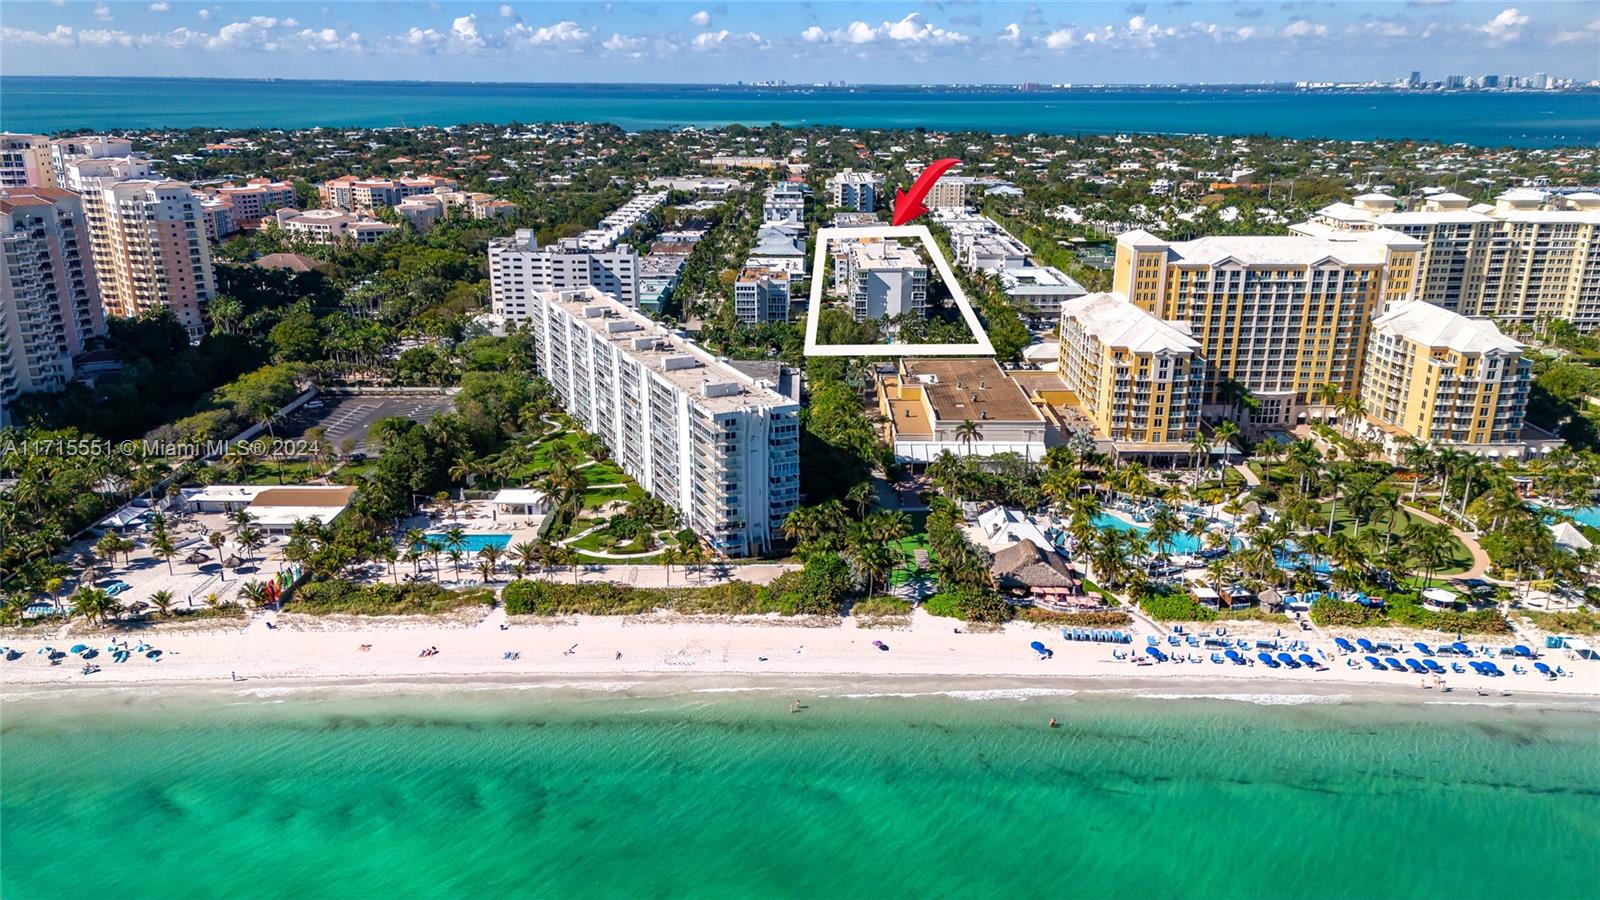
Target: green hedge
1483 621
1337 613
354 598
790 594
1102 619
970 605
1175 607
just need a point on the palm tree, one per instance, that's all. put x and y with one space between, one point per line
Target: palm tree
1199 449
456 555
93 603
1164 526
254 593
525 554
491 555
219 540
162 601
670 556
967 433
1225 433
161 545
1431 545
1270 451
862 495
1418 458
1335 479
390 554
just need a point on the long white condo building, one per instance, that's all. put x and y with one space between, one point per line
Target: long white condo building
720 447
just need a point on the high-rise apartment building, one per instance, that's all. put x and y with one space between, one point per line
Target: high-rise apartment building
761 295
49 301
1442 378
857 191
66 151
885 278
519 269
1140 380
149 241
25 161
716 445
1529 257
1278 316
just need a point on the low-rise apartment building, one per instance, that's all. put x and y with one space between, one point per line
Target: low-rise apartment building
1445 379
761 295
256 199
519 270
721 448
658 277
784 202
350 193
49 297
329 226
1138 379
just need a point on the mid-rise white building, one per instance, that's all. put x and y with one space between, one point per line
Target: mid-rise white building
858 191
784 202
49 298
718 446
886 278
761 295
519 269
328 226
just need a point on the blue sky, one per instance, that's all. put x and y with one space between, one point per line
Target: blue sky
912 41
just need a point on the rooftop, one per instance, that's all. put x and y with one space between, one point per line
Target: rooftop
885 255
1115 322
976 389
716 386
1437 327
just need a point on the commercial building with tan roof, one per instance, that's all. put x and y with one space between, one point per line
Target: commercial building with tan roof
965 406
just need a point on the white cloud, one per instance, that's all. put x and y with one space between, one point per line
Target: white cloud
465 30
621 43
330 39
563 32
102 12
506 12
1589 32
1061 39
204 14
160 7
1505 27
252 34
1300 28
910 30
712 40
700 19
1011 34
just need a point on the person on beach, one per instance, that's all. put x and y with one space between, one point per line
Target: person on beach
619 655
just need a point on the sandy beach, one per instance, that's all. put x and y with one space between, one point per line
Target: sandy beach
730 654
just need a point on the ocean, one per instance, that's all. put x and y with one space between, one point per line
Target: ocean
417 792
48 104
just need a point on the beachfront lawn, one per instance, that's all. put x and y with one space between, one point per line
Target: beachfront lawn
605 540
1404 521
605 473
595 498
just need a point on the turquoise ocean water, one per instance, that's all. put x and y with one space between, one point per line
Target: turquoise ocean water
45 104
543 793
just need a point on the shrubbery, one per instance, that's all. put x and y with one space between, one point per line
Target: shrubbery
970 605
1098 619
804 592
1339 614
354 598
1483 621
1171 606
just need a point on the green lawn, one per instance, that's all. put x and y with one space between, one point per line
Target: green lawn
601 540
1343 521
598 497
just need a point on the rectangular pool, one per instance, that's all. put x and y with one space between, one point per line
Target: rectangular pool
470 543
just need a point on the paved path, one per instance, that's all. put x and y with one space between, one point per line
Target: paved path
1250 477
1480 559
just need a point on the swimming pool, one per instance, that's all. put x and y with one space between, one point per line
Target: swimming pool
1586 515
1181 544
471 543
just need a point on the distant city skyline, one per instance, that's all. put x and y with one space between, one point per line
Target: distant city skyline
900 43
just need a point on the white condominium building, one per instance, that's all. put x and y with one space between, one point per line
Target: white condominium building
352 194
423 211
49 299
519 269
1039 290
885 279
328 226
784 202
858 191
1530 256
66 151
1280 316
761 295
719 447
25 161
149 240
1442 378
256 199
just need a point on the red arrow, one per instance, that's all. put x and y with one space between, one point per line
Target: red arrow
908 204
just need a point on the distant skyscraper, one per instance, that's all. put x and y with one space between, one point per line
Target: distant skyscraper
1415 80
1491 81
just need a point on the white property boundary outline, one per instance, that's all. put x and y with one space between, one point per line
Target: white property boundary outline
818 278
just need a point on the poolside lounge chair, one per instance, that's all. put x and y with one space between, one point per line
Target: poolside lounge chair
1216 658
1433 666
1394 664
1457 668
1415 666
1422 648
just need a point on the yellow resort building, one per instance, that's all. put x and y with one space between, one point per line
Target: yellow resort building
1444 379
1138 380
1530 256
1280 316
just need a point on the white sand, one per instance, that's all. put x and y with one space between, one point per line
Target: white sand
306 649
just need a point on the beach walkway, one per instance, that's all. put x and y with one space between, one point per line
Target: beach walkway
1480 559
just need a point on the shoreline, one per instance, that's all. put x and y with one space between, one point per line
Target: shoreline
686 655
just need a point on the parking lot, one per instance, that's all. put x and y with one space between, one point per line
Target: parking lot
350 417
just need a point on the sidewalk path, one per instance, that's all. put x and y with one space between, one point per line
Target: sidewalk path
1480 559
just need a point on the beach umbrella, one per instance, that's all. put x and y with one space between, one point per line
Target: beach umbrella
79 648
196 558
232 562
